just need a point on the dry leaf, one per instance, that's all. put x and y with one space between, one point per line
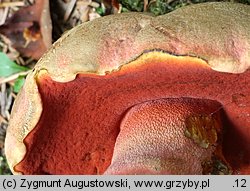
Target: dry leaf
29 29
112 4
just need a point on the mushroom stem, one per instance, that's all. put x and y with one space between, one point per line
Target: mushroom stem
168 136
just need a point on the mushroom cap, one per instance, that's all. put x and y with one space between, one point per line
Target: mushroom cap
215 32
204 47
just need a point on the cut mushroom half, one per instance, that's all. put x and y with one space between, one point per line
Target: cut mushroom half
134 94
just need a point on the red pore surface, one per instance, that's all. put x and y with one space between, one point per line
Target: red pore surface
80 121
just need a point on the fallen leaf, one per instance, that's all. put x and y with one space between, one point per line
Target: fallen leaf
32 33
29 29
8 67
112 5
18 84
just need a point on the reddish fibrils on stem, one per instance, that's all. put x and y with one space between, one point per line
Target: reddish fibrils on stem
152 137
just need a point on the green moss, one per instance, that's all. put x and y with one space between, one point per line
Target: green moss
4 168
133 5
160 7
100 10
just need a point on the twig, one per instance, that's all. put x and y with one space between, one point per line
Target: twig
12 4
30 60
69 9
8 105
4 15
13 95
145 7
87 3
4 47
3 120
3 99
120 9
13 77
20 61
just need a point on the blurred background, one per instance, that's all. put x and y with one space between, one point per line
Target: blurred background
29 27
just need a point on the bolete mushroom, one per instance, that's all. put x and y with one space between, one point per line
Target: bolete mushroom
135 94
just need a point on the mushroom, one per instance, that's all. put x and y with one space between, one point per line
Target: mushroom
135 94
